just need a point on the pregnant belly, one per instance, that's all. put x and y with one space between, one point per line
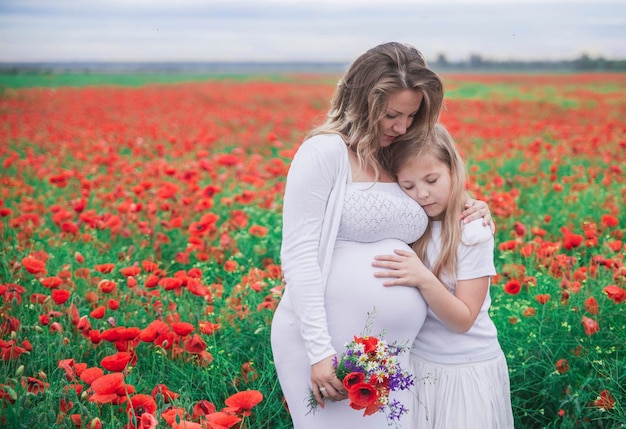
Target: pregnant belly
352 292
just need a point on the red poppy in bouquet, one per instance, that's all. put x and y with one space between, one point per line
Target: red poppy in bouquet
370 371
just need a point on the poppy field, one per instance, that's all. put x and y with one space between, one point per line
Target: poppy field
140 230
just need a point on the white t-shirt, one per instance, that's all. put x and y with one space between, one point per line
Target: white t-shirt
435 341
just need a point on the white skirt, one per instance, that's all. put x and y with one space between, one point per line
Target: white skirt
461 396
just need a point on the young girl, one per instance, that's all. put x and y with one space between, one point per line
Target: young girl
462 372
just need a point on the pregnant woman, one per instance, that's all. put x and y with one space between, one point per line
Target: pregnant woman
341 209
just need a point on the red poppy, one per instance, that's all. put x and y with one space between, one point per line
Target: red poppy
157 332
605 400
208 328
27 345
12 291
9 324
370 343
211 190
222 420
182 328
77 420
227 160
34 385
51 282
104 268
571 240
244 401
129 334
248 372
590 325
149 266
258 231
230 266
591 305
34 265
152 281
107 286
89 375
130 271
508 245
615 293
609 221
615 245
140 404
67 365
542 298
186 424
171 283
172 414
110 388
195 344
112 334
9 350
147 421
116 362
353 379
165 392
94 336
202 408
98 312
539 232
60 296
512 287
82 273
363 396
562 366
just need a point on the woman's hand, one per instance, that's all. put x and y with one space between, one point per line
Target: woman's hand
324 382
476 209
404 267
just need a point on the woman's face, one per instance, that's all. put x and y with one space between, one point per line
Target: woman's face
401 109
427 180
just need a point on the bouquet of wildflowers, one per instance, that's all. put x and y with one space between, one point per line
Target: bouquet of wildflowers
370 371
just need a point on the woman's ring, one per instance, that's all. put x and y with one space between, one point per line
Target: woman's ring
322 389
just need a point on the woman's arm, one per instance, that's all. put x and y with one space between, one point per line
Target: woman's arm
308 187
458 311
312 176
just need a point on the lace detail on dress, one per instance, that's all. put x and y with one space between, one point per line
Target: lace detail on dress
374 212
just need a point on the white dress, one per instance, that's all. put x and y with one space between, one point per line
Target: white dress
463 379
376 219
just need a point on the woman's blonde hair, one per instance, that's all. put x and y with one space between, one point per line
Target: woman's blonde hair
440 145
362 95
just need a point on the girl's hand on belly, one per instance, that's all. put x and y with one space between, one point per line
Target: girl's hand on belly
404 268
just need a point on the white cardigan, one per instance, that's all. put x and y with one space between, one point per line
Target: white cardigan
312 205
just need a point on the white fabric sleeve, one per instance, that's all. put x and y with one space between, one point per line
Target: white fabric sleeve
475 255
312 176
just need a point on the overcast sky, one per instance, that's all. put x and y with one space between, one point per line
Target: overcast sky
315 30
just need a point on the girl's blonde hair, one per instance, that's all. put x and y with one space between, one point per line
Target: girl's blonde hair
440 145
361 98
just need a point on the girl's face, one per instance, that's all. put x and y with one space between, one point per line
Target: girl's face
401 109
427 180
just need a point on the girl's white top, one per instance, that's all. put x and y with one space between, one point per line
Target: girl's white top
435 341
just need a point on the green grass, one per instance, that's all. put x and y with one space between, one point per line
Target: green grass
56 80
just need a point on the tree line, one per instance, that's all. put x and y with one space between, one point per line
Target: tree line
584 63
